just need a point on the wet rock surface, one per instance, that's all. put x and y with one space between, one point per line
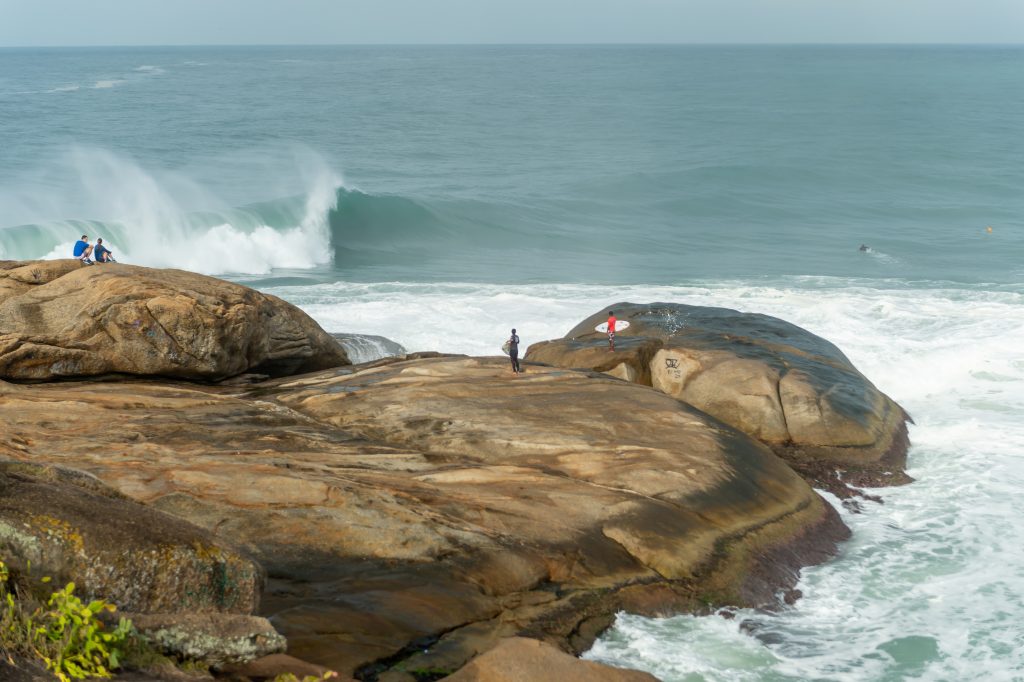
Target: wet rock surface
776 382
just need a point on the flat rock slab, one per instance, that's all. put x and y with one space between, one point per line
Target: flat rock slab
64 319
432 506
776 382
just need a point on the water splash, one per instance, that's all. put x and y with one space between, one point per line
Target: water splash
169 219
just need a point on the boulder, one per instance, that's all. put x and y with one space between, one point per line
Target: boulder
73 528
519 659
417 511
64 319
776 382
272 666
214 639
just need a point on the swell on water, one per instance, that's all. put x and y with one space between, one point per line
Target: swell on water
176 219
289 209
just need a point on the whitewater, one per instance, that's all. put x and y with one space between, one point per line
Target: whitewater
438 197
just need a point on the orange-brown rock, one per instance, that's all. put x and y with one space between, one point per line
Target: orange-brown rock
778 383
416 512
64 319
518 659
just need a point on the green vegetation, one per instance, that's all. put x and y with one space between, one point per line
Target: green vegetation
64 633
67 635
289 677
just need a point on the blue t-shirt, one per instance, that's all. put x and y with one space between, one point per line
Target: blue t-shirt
80 247
99 251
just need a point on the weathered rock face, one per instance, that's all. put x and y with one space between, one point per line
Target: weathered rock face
70 526
766 377
63 319
214 639
442 504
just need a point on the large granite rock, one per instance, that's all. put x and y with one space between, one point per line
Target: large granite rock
69 526
63 319
779 383
416 512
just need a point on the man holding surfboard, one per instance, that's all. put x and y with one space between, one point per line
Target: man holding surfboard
513 351
610 327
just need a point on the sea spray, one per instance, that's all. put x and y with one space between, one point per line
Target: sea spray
166 218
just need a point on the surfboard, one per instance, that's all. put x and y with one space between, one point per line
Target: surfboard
619 326
506 347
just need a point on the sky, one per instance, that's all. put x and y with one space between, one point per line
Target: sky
292 22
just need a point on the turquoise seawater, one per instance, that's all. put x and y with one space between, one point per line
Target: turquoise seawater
440 196
582 164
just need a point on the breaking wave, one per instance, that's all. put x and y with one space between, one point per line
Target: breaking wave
169 219
178 219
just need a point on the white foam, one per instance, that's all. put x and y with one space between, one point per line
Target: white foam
108 83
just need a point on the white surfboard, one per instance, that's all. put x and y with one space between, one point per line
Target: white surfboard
619 326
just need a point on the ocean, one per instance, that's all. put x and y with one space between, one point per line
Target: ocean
439 196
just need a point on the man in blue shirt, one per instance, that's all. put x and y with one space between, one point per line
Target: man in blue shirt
83 250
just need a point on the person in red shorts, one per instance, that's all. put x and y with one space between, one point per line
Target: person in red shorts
611 330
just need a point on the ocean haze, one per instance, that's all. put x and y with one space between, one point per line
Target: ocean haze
328 22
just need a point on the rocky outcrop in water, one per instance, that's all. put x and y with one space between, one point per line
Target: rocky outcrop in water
776 382
63 319
411 513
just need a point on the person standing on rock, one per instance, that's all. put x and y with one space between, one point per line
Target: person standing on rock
611 330
83 250
513 352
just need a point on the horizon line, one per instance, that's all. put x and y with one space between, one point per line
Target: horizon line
529 44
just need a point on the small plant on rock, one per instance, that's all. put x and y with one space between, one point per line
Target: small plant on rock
66 634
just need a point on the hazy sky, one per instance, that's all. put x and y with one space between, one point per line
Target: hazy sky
190 22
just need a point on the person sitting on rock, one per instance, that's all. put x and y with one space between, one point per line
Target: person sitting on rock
83 250
102 253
